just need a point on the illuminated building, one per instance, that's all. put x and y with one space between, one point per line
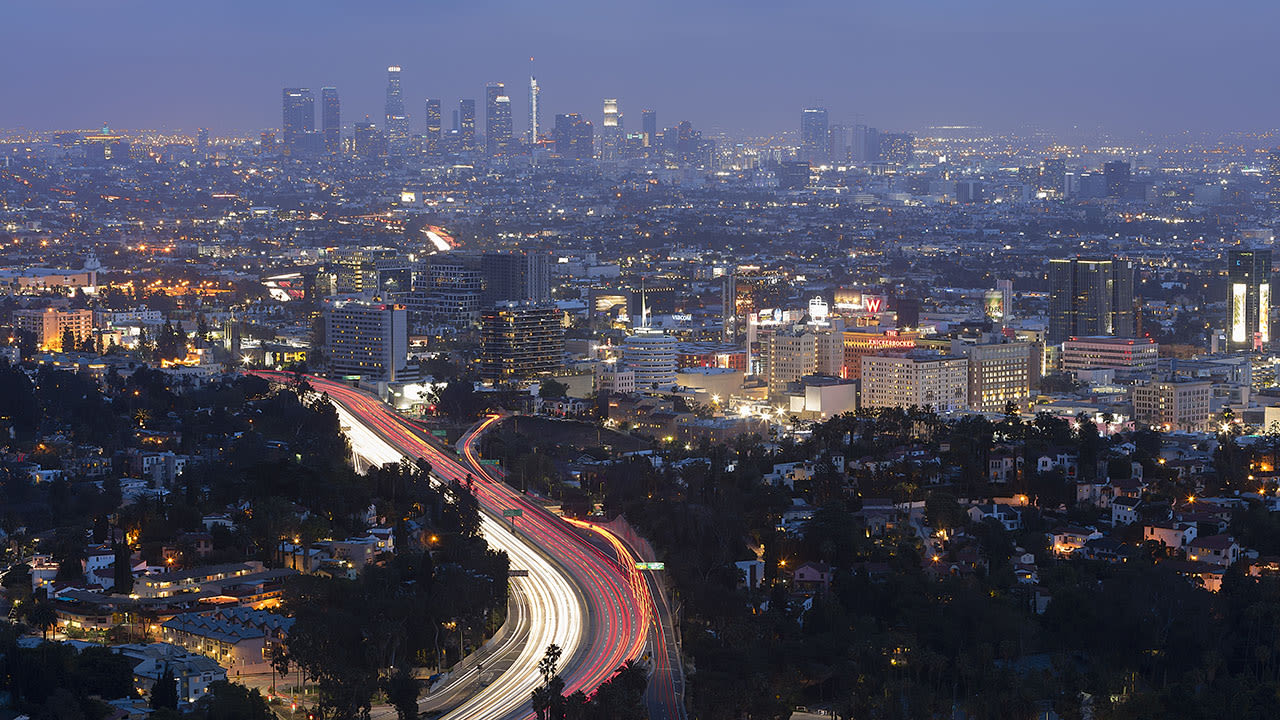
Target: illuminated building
1249 302
1174 405
535 112
1127 356
433 125
518 276
519 341
611 131
374 270
859 343
497 128
1090 297
916 378
366 339
1273 177
368 140
449 292
789 355
999 373
651 354
49 324
729 307
897 148
649 127
299 115
331 120
396 124
814 136
1116 173
711 355
467 124
573 136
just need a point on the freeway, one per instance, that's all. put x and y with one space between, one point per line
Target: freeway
663 696
579 597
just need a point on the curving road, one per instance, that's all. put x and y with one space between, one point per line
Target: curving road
579 598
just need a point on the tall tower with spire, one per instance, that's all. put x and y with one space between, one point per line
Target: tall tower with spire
535 113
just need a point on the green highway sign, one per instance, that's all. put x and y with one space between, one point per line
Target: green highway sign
651 566
512 513
489 461
440 433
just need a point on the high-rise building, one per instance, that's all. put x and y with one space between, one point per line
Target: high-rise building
814 135
1116 174
1183 405
918 378
433 125
331 120
49 325
866 144
519 341
497 120
573 136
522 276
651 355
729 307
999 373
535 112
369 140
299 115
397 120
202 139
370 340
897 148
649 126
839 143
1249 285
1090 297
467 123
611 131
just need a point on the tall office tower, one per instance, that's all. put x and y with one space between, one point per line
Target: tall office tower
729 307
367 339
839 143
1090 297
331 120
813 135
1053 176
1116 173
649 126
522 276
299 115
520 340
202 139
535 112
866 144
1249 278
573 136
397 121
467 123
433 125
497 119
611 131
369 140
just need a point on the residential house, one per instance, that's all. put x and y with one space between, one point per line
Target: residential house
1171 535
1216 549
812 576
1124 511
1008 516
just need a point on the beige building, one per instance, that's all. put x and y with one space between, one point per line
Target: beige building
1000 373
1174 405
49 324
1127 356
791 355
916 378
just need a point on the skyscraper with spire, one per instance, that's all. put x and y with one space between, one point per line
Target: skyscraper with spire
396 123
535 116
611 131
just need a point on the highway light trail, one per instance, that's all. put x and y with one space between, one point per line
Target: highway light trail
568 574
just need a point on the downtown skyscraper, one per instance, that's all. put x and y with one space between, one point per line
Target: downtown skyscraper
299 115
535 112
467 123
814 135
611 131
1249 281
433 124
331 120
1090 298
497 120
396 123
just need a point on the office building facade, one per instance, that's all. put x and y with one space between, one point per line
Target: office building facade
367 339
1249 302
520 341
1090 297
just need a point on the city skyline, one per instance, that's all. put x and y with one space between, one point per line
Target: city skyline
893 67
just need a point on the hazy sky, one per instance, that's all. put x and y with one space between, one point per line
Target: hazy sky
1127 65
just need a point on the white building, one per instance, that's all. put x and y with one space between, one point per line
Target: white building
368 339
915 378
651 354
1127 356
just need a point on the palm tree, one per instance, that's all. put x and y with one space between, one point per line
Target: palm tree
42 615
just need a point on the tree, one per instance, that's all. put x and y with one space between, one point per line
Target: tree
122 569
164 694
68 341
41 615
552 388
229 701
402 690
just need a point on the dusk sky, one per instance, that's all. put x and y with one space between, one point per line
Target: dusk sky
724 64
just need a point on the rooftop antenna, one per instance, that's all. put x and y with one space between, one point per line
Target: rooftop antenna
644 308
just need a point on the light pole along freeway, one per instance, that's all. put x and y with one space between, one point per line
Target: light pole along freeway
568 575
